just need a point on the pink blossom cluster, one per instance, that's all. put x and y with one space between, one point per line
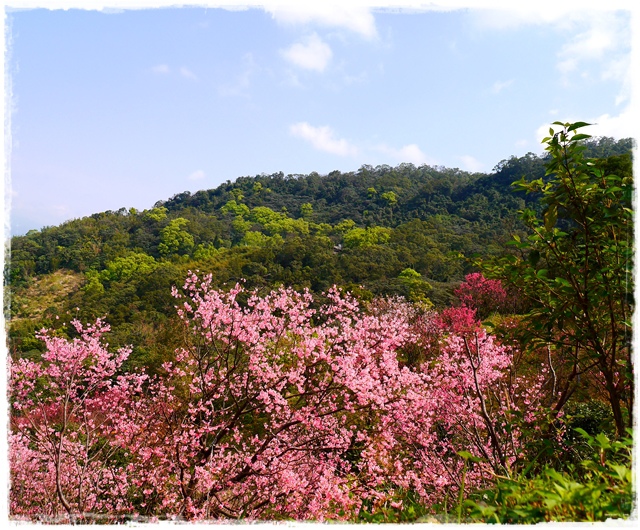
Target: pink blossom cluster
481 294
275 408
61 461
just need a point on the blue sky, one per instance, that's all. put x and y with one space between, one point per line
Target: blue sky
127 107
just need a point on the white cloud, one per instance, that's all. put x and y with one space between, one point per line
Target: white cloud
470 163
323 139
185 72
604 36
313 54
617 68
409 153
596 35
348 16
509 15
197 175
499 86
161 69
522 15
243 81
164 69
621 126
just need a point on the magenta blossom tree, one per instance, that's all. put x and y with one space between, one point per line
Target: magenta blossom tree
483 295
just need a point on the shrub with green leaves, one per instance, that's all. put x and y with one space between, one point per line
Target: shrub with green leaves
596 489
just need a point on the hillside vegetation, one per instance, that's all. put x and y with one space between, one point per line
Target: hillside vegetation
488 318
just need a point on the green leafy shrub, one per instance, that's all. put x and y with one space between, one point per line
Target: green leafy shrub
597 489
592 416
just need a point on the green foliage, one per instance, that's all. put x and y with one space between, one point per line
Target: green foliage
22 338
277 222
410 275
155 214
358 240
258 239
345 225
472 213
406 508
390 197
93 286
366 237
204 252
174 239
237 209
124 268
306 209
416 287
241 226
571 260
237 194
591 416
265 216
597 489
576 268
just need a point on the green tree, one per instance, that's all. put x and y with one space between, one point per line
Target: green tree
174 239
575 267
258 239
345 225
391 199
205 251
155 214
239 210
306 210
237 194
416 287
366 237
124 268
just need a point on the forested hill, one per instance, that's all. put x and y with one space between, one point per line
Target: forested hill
364 195
376 231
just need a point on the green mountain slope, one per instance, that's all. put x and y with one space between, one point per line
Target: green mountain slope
376 231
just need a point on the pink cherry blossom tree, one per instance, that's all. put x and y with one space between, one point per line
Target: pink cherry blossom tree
62 464
266 410
491 403
275 407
